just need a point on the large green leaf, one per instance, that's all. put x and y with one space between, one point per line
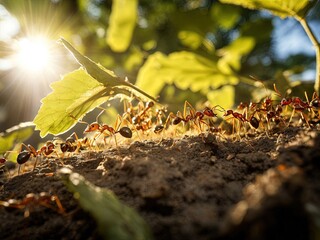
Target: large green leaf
281 8
226 16
121 24
185 70
79 92
15 134
223 97
99 73
231 55
75 94
115 220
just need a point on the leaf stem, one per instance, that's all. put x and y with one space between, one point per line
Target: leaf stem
316 45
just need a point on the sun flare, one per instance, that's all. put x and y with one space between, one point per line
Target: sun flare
33 54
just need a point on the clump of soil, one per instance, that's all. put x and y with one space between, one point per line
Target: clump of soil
194 187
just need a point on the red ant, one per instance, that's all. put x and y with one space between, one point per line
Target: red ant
296 104
141 115
235 115
195 116
31 200
104 128
30 151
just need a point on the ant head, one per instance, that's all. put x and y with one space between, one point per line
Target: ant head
2 160
209 112
228 112
92 127
149 104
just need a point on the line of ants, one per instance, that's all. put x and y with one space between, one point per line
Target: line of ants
143 119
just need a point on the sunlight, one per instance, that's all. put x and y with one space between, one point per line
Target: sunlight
33 55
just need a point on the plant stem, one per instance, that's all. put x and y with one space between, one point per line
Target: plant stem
316 45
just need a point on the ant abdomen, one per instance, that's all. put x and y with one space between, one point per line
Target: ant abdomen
158 128
176 120
23 157
125 132
254 122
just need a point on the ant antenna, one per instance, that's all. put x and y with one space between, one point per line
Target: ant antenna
221 108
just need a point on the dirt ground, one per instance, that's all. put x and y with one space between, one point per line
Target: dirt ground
193 187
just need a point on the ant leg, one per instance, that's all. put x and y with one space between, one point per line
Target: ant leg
77 140
293 112
19 169
35 163
115 140
305 118
59 204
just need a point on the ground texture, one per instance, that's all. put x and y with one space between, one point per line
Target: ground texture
193 187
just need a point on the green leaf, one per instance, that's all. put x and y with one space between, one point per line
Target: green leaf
115 220
75 94
184 69
190 39
225 15
231 54
15 134
281 8
121 24
99 73
223 97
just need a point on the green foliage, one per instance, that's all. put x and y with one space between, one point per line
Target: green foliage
115 220
288 8
74 95
187 70
99 73
225 15
281 8
77 93
231 54
121 24
14 135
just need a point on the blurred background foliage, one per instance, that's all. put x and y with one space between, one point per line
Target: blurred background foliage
176 50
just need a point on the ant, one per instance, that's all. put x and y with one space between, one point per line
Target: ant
195 116
31 200
235 116
296 103
142 115
107 130
73 143
30 151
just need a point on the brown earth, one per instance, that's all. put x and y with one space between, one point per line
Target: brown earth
194 187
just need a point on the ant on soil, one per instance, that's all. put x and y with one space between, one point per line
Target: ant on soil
72 143
107 130
30 151
32 200
195 117
241 118
297 105
140 116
